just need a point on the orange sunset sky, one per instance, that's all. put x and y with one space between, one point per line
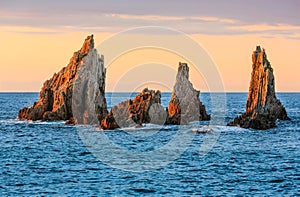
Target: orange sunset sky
38 39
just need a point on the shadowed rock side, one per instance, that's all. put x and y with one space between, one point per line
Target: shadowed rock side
80 84
185 105
144 108
262 108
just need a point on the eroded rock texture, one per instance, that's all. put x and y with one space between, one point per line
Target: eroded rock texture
144 108
262 108
185 105
80 85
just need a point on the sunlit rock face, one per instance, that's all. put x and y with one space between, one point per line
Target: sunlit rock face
144 108
185 105
262 108
76 92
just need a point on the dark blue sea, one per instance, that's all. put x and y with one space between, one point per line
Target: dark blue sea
52 159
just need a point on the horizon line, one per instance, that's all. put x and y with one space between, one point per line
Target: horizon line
160 91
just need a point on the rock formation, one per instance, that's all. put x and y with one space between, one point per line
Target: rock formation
262 108
144 108
185 105
76 92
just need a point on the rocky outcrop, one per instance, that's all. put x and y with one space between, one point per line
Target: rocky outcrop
262 108
144 108
185 105
76 92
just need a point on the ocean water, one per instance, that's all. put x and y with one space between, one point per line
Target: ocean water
52 159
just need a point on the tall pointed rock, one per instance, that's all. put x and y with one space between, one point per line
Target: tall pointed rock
185 105
262 108
77 91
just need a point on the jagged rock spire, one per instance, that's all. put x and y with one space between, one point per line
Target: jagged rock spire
262 108
185 105
57 99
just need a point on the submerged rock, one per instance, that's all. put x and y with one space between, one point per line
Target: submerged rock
77 92
71 121
144 108
185 105
262 108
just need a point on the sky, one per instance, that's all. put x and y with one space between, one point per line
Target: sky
39 37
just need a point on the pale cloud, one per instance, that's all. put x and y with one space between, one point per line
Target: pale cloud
215 19
193 18
209 25
294 36
28 30
145 17
170 18
19 14
266 27
268 30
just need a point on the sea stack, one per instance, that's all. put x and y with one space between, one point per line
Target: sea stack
185 105
144 108
262 108
75 93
